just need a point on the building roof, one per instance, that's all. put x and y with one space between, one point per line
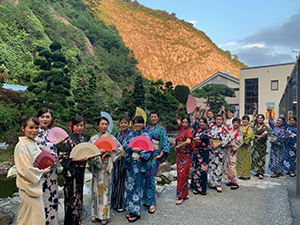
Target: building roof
256 67
14 87
225 75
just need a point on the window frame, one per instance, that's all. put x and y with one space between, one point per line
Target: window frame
272 85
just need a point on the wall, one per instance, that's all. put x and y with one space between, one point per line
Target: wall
265 75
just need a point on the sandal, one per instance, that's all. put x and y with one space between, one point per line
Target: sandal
103 222
229 184
120 210
129 215
275 175
195 192
151 208
180 201
203 193
293 174
234 186
245 178
261 176
94 219
134 218
219 189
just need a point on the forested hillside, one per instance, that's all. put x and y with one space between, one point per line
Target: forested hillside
167 48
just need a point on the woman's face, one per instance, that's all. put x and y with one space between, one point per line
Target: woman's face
198 114
245 122
260 119
45 120
154 119
279 122
138 126
103 125
31 130
292 122
210 115
230 114
202 124
124 125
78 128
219 121
185 123
235 125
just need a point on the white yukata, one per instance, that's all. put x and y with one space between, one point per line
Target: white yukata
102 179
31 210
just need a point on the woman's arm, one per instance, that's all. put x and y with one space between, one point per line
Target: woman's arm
178 113
255 111
187 142
238 112
194 115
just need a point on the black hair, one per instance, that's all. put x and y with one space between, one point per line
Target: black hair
100 119
154 112
262 115
230 110
77 120
236 120
30 118
293 117
125 118
280 117
246 117
204 119
138 119
210 111
219 116
43 111
186 117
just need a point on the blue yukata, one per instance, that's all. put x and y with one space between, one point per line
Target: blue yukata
50 185
135 174
119 173
161 143
290 150
277 147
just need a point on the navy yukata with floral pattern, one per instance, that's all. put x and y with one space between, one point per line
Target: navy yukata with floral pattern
290 150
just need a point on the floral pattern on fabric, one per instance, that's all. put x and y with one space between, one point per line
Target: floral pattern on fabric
290 150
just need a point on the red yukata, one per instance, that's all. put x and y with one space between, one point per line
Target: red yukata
183 161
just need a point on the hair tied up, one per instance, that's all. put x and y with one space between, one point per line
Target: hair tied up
51 124
70 126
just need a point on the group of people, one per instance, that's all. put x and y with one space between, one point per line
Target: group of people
230 148
125 177
122 178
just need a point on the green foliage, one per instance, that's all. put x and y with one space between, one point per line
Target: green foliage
9 116
181 93
215 95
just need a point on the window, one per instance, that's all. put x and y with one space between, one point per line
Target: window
236 89
251 94
274 85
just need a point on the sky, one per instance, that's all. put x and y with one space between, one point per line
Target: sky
261 32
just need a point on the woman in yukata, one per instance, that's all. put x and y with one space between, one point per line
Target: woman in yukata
290 150
231 154
243 163
50 185
117 198
73 173
137 162
277 145
219 138
162 149
184 152
200 157
29 178
103 174
260 144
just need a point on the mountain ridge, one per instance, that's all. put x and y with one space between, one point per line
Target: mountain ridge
166 48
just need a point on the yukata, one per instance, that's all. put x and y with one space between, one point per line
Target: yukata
216 157
290 150
73 180
50 185
277 148
102 179
119 173
260 149
200 160
237 140
161 142
183 160
29 182
243 163
135 174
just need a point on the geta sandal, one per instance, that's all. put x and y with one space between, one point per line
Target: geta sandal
151 208
135 217
293 174
219 189
275 175
234 186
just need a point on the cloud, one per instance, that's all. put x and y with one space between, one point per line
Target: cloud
193 21
258 56
285 35
254 45
228 44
